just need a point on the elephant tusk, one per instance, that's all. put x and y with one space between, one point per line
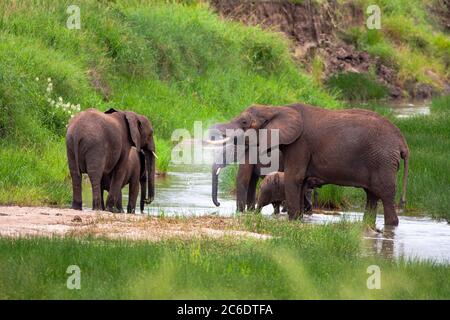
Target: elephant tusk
154 154
218 170
222 141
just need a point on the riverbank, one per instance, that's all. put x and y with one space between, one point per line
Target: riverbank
296 261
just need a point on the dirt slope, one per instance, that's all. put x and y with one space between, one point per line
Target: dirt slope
314 29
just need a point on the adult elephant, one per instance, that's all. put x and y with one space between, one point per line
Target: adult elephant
247 177
354 147
99 144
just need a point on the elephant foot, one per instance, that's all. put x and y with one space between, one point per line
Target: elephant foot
76 205
391 221
297 216
131 210
115 210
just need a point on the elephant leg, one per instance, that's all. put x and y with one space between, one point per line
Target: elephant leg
132 196
371 201
102 199
243 181
119 202
77 200
316 198
295 164
105 187
388 199
370 213
384 187
114 202
276 207
308 200
251 193
96 191
294 202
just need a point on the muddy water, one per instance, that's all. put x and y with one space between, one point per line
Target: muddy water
415 237
409 109
186 190
402 109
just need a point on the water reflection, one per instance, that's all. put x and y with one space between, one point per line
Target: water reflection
186 190
415 237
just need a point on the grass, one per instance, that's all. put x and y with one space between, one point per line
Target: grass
301 262
409 41
175 63
429 175
357 86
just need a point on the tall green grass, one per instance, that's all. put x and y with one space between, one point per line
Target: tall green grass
300 262
428 138
176 63
409 40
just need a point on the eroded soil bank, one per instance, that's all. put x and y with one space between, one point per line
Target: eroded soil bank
56 222
317 30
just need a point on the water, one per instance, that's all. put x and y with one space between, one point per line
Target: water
408 109
402 109
415 237
186 190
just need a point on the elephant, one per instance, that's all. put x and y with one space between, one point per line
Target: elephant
246 179
135 175
99 144
272 191
354 147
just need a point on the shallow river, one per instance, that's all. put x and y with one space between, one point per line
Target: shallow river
186 190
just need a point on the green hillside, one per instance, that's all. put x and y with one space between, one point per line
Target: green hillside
173 62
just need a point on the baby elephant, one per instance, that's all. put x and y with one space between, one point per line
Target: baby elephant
135 175
272 191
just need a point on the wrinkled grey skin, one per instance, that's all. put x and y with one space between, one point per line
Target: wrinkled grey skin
246 179
136 175
354 147
272 192
99 144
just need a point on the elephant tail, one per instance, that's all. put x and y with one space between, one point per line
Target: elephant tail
76 155
404 153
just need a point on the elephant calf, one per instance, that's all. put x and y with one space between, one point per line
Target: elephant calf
272 191
99 144
135 175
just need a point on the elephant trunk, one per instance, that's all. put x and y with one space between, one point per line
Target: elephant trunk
150 162
215 182
143 183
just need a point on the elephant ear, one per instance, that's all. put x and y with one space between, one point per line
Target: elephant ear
110 110
133 127
288 121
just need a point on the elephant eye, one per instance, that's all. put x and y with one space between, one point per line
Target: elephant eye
244 122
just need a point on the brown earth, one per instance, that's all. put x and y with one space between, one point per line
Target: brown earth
314 30
56 222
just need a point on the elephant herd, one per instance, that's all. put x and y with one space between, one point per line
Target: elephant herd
351 147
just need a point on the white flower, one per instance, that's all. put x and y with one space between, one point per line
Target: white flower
37 79
60 99
49 79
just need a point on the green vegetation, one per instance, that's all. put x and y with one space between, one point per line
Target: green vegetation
357 86
175 63
429 175
429 142
300 262
409 40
